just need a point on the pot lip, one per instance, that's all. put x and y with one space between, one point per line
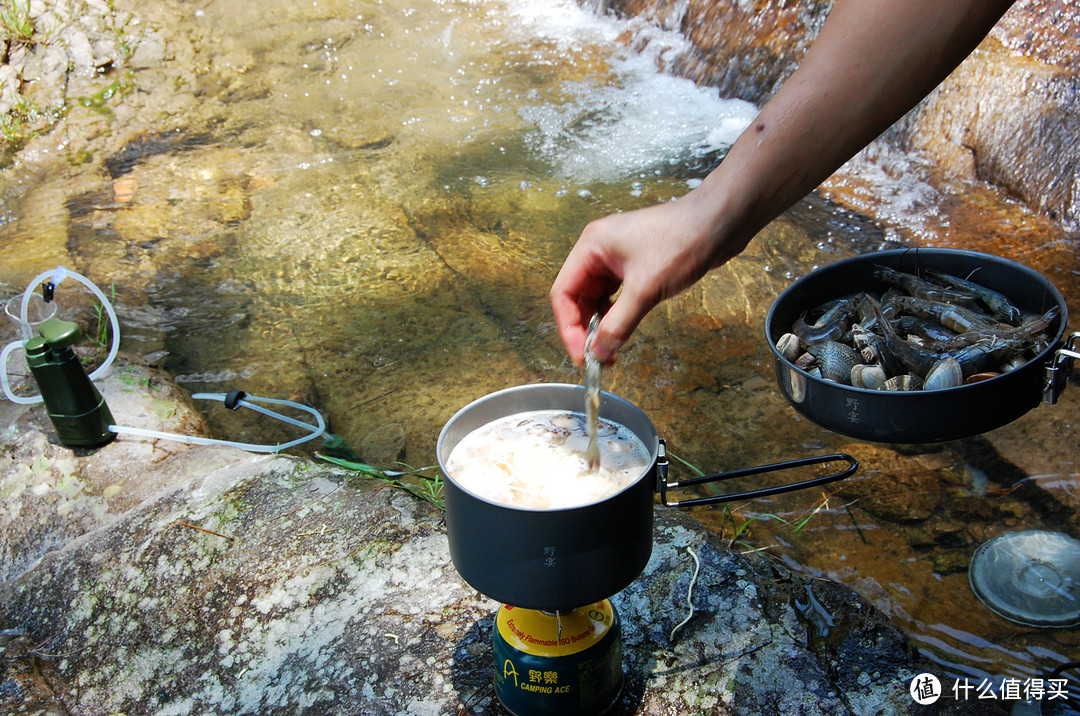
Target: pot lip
914 395
653 449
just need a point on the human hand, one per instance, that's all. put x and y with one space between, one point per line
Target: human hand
651 254
869 65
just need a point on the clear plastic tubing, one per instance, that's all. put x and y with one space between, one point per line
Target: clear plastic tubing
57 275
319 428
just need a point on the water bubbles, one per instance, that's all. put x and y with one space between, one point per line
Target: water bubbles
482 181
315 132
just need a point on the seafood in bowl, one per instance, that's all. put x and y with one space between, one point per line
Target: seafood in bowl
1001 356
922 332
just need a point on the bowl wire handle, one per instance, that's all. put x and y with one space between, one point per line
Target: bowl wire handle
1057 371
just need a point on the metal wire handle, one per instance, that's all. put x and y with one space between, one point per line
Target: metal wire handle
662 484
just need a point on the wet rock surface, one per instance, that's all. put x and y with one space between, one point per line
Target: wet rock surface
157 577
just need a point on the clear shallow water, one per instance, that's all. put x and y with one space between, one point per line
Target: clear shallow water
362 205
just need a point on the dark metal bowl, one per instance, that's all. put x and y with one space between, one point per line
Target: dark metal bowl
915 416
563 558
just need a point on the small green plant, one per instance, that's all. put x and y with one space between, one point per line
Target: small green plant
740 528
101 328
99 336
428 488
15 21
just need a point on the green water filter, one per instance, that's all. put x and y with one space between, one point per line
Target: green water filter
75 407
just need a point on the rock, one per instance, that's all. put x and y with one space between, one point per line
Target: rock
211 580
746 49
384 446
1006 116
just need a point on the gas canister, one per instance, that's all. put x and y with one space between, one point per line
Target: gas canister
558 664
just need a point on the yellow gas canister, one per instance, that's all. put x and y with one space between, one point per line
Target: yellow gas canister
558 664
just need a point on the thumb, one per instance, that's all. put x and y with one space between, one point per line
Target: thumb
618 324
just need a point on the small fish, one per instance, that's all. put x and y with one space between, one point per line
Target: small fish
917 359
874 349
835 360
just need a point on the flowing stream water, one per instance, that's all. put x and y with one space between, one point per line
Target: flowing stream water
362 204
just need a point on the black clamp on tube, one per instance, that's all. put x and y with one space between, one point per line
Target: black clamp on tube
233 398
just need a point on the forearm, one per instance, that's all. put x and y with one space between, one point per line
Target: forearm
872 62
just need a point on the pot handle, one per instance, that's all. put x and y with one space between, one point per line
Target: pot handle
662 485
1056 373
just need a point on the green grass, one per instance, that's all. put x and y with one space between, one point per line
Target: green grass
740 528
428 488
15 21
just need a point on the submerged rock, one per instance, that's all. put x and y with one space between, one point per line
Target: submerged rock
203 580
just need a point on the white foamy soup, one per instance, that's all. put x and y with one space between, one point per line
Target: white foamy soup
537 460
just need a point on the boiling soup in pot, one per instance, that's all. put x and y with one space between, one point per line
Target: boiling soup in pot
537 460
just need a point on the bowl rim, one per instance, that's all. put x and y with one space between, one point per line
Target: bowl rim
652 444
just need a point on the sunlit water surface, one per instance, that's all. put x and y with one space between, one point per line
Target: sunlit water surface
368 202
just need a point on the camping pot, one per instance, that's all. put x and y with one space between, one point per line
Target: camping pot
923 416
561 559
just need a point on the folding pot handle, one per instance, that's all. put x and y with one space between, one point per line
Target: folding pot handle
662 484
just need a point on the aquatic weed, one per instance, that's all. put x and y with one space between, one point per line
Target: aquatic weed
428 488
